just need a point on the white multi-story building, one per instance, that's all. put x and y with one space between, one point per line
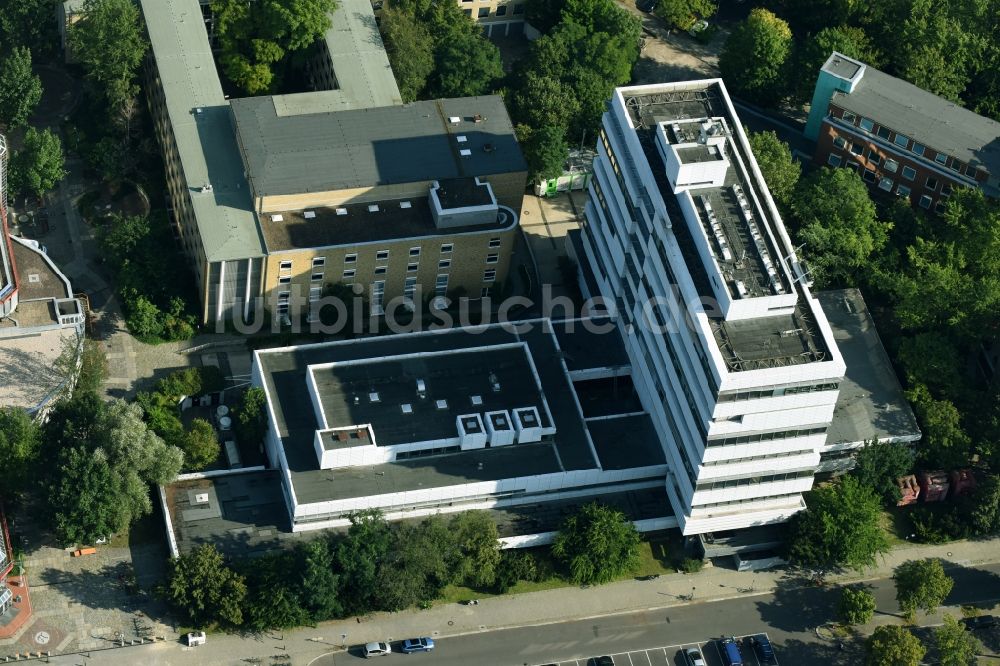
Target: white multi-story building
732 356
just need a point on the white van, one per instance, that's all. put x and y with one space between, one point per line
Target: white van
196 638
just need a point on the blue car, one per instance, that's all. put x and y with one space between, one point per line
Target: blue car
730 650
410 645
762 648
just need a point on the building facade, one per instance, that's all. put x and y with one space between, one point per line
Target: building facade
903 141
731 354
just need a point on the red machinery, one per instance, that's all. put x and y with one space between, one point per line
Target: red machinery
933 485
962 482
909 490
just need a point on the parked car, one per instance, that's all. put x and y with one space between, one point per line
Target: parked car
762 648
410 645
196 638
604 661
377 649
980 622
730 650
693 657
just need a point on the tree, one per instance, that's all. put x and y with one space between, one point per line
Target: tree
597 544
320 586
28 23
84 500
857 605
956 646
814 51
945 443
478 548
893 645
38 166
144 319
20 442
754 57
110 43
837 223
780 170
545 150
20 88
810 16
467 65
984 506
107 157
201 445
251 416
921 584
255 38
410 48
683 13
878 465
840 527
93 368
418 566
204 589
271 602
359 557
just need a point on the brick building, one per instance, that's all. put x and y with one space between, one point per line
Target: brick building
902 140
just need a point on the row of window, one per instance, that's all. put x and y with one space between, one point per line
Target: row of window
776 391
764 436
753 480
714 505
886 184
383 255
906 143
501 10
318 272
769 456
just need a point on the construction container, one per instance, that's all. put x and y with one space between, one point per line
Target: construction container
933 485
909 490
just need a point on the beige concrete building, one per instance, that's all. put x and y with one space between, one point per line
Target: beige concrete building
277 197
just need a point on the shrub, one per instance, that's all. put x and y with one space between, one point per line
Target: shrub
938 524
690 565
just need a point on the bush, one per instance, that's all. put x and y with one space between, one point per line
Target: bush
516 566
200 445
690 565
938 524
857 606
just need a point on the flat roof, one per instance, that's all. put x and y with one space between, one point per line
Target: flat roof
206 145
28 376
871 402
352 224
320 152
284 374
462 192
450 378
923 116
745 344
842 66
623 442
591 343
38 278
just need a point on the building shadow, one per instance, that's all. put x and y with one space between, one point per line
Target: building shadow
795 608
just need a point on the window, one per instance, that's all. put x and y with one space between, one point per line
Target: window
885 184
484 12
316 277
867 124
946 190
285 265
883 132
444 263
834 160
931 183
350 258
284 279
492 258
441 286
489 275
446 248
869 175
349 274
941 158
378 291
873 156
940 207
412 268
502 10
891 166
909 173
518 9
319 262
925 201
484 292
380 270
314 293
849 117
283 296
409 287
917 148
902 190
467 12
414 251
382 255
840 142
957 166
901 140
857 148
494 242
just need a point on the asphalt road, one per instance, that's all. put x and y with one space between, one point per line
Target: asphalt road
789 617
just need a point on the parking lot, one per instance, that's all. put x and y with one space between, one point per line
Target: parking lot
673 655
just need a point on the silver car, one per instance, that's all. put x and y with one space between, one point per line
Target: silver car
692 657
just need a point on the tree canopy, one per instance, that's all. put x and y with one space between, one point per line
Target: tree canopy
892 645
781 171
857 605
20 88
683 13
29 23
841 526
837 222
921 584
597 544
755 56
205 589
812 52
38 166
956 646
110 43
200 445
20 443
878 466
410 48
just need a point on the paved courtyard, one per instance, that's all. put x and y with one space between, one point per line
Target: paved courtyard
545 222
